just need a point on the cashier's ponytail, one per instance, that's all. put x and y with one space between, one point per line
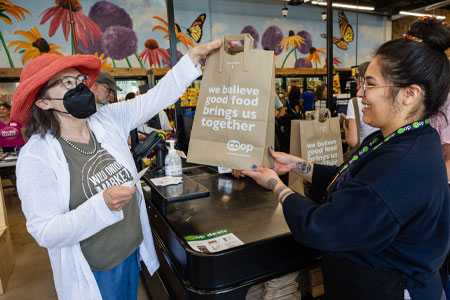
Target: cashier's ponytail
419 58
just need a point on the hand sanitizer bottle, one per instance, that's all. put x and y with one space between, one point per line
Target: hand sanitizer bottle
172 161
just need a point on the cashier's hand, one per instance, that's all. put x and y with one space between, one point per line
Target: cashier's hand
116 197
283 162
263 176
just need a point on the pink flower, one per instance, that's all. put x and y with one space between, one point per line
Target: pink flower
336 62
61 16
152 53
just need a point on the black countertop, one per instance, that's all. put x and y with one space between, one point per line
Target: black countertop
247 210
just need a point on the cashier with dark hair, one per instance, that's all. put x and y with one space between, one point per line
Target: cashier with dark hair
384 225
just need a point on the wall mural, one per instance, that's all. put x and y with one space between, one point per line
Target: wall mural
134 33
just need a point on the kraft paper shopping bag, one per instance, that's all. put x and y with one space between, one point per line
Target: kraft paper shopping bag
321 140
234 121
317 140
295 181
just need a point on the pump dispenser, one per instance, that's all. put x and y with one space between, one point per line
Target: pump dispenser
172 161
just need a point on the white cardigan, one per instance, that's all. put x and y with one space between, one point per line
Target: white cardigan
43 183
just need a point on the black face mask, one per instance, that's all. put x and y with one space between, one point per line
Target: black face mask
80 102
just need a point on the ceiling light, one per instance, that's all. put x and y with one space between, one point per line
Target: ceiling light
324 16
284 10
341 5
358 7
437 5
409 13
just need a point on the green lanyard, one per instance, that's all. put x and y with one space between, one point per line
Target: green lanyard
376 143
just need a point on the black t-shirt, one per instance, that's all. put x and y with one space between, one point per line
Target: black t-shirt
291 104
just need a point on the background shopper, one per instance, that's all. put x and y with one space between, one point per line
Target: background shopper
11 131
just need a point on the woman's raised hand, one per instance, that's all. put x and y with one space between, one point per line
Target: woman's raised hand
201 51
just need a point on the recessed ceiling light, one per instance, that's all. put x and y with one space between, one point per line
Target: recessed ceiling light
410 13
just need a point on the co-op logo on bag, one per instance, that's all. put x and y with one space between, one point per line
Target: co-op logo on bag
234 145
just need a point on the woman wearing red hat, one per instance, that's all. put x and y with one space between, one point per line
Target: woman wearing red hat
71 171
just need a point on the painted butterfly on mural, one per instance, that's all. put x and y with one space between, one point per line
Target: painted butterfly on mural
346 32
196 29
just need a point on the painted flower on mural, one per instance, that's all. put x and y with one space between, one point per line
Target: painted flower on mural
105 63
292 40
92 47
106 14
313 55
253 32
271 39
114 22
84 27
35 47
152 53
301 63
18 12
181 37
166 63
119 42
307 41
7 7
336 62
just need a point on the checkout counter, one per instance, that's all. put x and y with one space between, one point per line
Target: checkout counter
207 201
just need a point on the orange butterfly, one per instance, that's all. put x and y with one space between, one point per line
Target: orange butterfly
196 29
346 32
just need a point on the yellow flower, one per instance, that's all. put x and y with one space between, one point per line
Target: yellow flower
292 40
181 37
36 47
105 63
14 10
314 55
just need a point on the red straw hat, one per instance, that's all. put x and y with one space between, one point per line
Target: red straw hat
39 71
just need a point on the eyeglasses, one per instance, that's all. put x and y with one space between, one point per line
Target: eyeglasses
108 89
70 82
370 86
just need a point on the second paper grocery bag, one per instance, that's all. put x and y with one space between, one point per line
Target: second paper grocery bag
234 121
320 139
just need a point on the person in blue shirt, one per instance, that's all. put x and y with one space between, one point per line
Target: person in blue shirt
307 99
384 225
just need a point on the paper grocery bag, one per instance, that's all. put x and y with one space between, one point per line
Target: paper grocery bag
295 181
321 140
234 122
316 140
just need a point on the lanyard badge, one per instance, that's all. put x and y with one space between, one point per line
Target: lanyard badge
375 144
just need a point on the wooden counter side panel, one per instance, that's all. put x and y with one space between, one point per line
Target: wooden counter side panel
7 260
3 214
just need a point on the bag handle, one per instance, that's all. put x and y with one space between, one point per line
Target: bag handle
319 112
357 118
224 49
325 125
322 111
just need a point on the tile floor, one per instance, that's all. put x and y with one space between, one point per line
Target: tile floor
32 276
